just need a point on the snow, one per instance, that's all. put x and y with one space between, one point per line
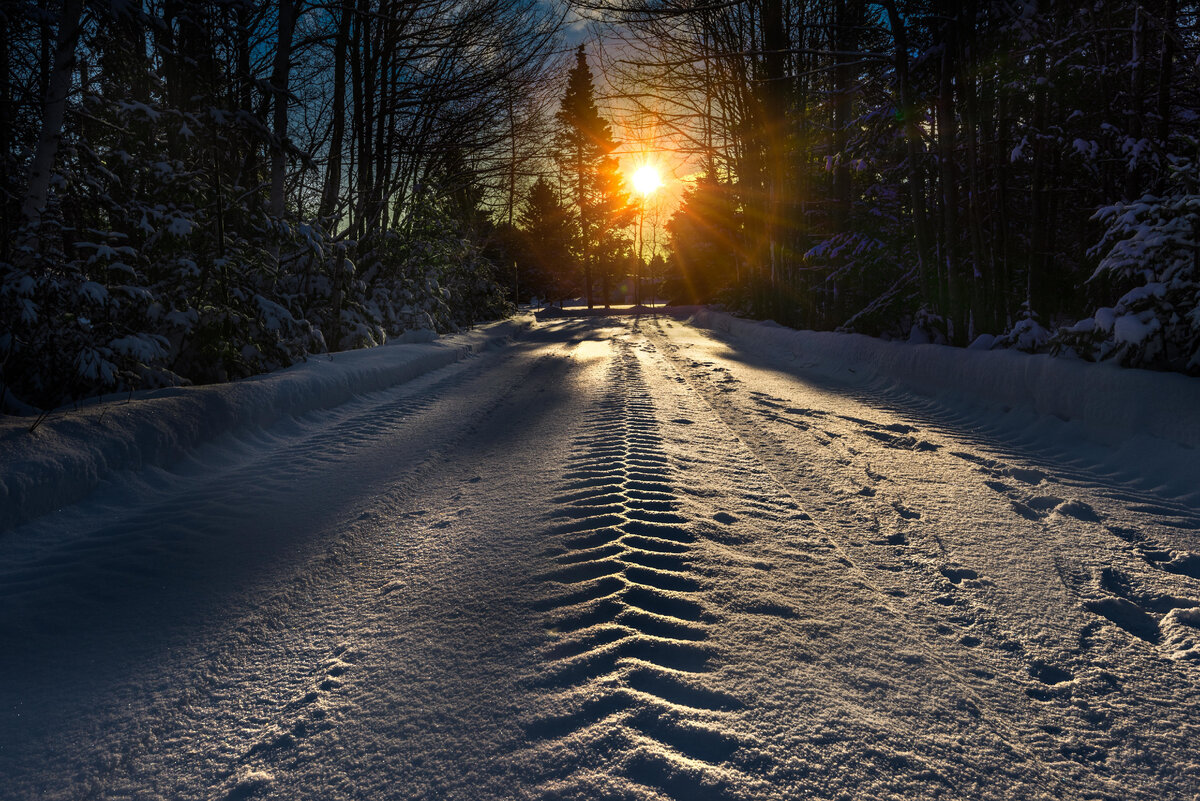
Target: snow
1133 330
982 342
73 451
1028 336
93 292
624 558
142 347
1181 631
142 108
179 226
1112 403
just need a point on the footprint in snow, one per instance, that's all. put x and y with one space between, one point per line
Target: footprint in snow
1126 607
250 783
1026 475
1127 615
1183 563
1181 634
956 575
1078 510
1048 674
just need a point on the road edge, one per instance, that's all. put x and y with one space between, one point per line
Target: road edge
71 453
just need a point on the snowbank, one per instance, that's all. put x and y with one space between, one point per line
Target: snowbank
71 452
1111 402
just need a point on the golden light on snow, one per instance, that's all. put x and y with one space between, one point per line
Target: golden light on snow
646 179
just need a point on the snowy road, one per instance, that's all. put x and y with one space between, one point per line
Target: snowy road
618 559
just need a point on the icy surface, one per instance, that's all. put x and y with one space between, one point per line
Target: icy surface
631 559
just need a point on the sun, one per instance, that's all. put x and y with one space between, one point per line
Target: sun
646 179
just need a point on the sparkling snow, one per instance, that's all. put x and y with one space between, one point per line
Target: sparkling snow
629 558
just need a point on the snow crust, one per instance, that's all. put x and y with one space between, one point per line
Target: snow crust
73 451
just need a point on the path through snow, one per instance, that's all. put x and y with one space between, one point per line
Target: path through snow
615 559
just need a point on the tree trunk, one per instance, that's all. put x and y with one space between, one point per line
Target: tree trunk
280 74
1001 230
843 44
1137 89
58 86
775 45
979 310
912 141
359 148
584 227
6 113
337 130
947 124
1035 281
1166 72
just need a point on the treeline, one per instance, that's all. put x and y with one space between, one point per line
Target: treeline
936 170
196 191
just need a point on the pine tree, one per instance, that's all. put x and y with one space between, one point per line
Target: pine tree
582 144
704 243
614 214
548 232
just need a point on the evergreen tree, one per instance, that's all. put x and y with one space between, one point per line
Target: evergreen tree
614 213
194 192
548 232
583 144
704 243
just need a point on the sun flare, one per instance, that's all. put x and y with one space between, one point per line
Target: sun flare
646 179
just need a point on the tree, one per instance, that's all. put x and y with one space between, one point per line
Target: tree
58 87
548 231
195 191
922 168
583 144
614 214
704 244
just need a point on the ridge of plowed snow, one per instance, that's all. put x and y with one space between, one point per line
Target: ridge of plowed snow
1138 426
71 453
1111 401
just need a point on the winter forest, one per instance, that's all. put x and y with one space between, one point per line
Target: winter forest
197 191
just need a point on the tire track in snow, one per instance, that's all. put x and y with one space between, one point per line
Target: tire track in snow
633 716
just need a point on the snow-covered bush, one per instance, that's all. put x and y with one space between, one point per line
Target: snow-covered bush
431 276
1151 249
1027 334
76 324
149 270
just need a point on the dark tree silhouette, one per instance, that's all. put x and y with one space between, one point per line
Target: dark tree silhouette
548 232
583 145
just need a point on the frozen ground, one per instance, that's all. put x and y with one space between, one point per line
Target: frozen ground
622 558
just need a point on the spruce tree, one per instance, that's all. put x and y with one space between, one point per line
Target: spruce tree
582 144
548 232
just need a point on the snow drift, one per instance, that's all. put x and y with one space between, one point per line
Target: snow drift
72 452
1111 402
